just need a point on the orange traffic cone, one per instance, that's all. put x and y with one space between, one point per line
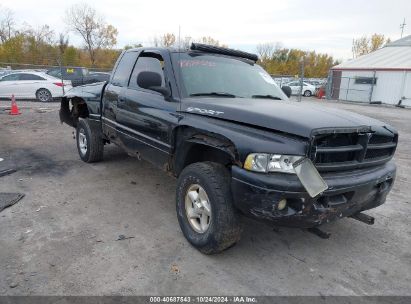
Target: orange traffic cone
321 93
14 109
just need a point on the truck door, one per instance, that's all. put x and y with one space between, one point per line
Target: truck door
145 116
114 94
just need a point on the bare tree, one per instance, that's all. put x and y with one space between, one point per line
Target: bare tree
42 34
63 42
210 41
265 53
165 40
186 42
266 50
7 24
96 33
168 40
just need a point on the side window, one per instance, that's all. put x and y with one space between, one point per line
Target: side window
147 62
55 73
11 77
122 73
30 77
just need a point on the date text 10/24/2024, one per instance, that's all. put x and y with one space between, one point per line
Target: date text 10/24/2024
204 299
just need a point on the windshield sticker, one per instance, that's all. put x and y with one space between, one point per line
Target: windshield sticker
267 78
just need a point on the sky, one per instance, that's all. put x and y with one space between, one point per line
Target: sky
325 26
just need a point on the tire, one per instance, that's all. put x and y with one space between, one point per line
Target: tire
224 228
307 93
44 95
90 144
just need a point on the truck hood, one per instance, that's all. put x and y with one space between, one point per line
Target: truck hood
301 119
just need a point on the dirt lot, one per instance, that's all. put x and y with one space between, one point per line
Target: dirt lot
61 238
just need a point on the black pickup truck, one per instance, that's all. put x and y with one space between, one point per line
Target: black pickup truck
217 121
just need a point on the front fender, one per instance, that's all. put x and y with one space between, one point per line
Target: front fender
248 139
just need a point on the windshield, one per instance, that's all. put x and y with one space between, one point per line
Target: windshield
219 76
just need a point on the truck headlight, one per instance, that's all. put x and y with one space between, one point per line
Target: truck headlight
263 162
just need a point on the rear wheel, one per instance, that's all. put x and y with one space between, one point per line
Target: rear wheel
307 93
90 144
44 95
205 208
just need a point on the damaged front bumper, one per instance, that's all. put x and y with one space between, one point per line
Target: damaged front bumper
348 193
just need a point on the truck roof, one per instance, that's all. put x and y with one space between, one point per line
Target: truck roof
204 48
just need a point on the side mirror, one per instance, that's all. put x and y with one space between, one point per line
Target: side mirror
162 90
152 81
286 90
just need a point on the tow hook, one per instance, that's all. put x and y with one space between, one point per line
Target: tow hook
362 217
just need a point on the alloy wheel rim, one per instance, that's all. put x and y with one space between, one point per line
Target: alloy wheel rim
43 95
82 141
198 208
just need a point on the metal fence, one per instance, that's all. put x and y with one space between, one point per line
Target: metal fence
284 79
10 66
370 86
350 89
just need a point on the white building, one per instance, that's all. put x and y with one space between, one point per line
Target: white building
381 76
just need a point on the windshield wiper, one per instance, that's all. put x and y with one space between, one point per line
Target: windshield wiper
218 94
267 97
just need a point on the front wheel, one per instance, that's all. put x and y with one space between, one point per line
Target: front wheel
90 144
307 93
44 95
205 208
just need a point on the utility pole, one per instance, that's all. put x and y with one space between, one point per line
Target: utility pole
302 60
179 34
402 26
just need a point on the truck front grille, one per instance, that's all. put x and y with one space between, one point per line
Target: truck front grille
344 151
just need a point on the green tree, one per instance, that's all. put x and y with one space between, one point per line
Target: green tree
70 56
282 61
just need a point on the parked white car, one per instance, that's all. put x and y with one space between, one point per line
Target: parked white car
308 89
32 85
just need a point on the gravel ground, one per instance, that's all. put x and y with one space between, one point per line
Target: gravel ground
61 238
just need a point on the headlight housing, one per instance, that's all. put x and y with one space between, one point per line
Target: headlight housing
263 162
